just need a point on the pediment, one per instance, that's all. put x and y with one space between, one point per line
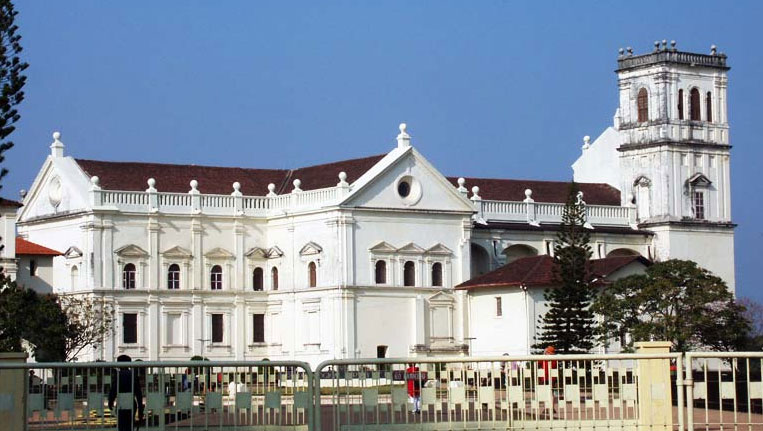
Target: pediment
178 253
256 253
60 187
72 253
439 249
310 248
699 180
411 248
441 298
218 253
131 250
427 188
274 252
383 247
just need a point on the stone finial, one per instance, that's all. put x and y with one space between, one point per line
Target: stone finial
713 50
22 194
151 186
57 147
461 185
630 51
236 189
476 194
664 44
342 179
673 45
656 45
95 183
403 139
194 187
297 183
630 200
586 142
620 52
528 195
271 190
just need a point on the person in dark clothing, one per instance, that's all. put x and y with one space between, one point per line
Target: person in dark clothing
126 382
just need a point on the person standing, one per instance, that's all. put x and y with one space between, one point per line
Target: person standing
126 382
413 378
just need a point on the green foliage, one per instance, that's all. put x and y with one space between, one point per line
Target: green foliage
11 78
569 323
676 301
38 319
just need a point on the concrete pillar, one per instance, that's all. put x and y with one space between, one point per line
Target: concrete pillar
13 390
655 398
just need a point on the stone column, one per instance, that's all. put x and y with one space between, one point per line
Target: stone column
13 392
655 398
197 231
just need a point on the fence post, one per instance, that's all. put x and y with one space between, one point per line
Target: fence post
13 390
654 394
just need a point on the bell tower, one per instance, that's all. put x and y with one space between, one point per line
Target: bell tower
674 156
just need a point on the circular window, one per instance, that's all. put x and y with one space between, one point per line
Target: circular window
408 190
404 189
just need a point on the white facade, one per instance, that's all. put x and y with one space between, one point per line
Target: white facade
365 265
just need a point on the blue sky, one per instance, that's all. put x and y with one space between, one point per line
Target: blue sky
491 88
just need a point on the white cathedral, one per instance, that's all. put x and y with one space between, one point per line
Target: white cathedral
380 256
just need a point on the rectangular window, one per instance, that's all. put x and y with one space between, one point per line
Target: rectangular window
699 205
174 329
258 328
32 268
129 328
498 307
217 328
381 351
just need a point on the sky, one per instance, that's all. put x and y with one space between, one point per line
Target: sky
488 89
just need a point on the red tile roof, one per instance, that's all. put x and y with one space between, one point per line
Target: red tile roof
132 176
539 271
28 247
10 203
543 191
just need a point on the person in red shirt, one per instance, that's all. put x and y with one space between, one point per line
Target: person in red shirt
414 379
547 365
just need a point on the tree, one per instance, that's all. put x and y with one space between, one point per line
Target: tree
676 301
569 324
12 79
37 319
90 321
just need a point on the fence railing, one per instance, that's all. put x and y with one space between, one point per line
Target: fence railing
550 212
655 391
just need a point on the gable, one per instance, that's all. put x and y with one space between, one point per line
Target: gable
59 188
256 253
310 248
441 298
73 253
410 248
130 250
383 247
274 252
428 188
177 252
439 249
218 253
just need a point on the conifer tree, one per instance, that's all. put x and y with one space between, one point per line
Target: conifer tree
11 78
569 323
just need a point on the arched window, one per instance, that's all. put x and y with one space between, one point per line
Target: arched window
709 107
437 274
381 272
680 104
257 280
74 277
173 277
518 251
694 109
216 278
128 276
312 277
643 106
480 260
409 274
274 278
